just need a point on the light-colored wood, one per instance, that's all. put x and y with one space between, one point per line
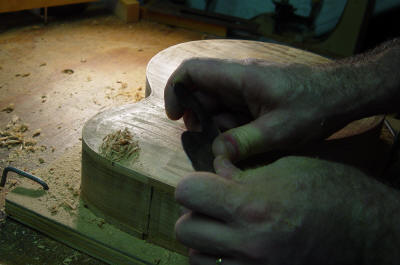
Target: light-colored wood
18 5
102 241
127 10
162 162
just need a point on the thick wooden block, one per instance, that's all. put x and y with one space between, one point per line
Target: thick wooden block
128 10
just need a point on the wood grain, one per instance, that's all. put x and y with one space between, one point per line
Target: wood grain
162 162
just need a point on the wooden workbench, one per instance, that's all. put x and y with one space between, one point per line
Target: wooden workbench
106 72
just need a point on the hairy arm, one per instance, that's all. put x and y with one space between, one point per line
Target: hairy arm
364 85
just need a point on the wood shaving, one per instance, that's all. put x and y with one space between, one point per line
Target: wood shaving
119 146
13 136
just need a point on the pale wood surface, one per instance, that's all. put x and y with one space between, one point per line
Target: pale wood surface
107 72
17 5
162 161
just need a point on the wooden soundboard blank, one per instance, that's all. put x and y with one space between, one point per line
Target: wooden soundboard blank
137 197
140 194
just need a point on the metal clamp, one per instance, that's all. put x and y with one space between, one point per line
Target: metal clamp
21 173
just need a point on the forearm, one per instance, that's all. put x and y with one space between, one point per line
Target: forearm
363 85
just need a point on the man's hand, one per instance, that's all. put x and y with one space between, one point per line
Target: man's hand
261 106
296 210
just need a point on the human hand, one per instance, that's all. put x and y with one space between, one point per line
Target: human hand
261 106
296 210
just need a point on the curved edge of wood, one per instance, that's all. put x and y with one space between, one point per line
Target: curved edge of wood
111 192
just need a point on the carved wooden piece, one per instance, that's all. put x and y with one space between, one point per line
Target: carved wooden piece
137 196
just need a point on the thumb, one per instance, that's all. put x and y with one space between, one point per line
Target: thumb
241 142
226 169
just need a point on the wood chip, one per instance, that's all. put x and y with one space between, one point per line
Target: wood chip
9 108
30 142
36 133
68 71
13 142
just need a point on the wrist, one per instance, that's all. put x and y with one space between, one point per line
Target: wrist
347 92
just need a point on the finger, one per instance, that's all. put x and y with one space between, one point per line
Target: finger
191 121
228 120
209 75
260 135
224 168
209 194
207 235
237 143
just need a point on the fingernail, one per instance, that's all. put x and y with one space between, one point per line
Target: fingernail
224 147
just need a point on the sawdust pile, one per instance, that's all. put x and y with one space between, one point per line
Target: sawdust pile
16 135
124 93
63 177
119 146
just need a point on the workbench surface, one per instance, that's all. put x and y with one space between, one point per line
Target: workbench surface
108 59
